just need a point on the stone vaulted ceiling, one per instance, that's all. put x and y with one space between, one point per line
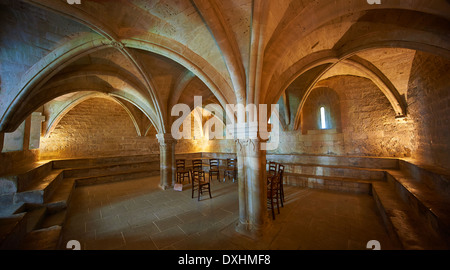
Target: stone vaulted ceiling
150 55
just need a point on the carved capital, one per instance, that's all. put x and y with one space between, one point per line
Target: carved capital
165 139
248 145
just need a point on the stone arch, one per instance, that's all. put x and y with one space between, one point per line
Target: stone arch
45 69
348 47
370 71
90 83
94 118
212 79
54 121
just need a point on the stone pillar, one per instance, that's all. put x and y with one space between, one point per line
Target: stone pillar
253 214
14 141
26 135
2 138
36 130
167 156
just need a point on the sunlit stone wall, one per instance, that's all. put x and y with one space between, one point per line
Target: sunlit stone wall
96 127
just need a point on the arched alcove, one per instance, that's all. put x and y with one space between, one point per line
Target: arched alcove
327 99
96 127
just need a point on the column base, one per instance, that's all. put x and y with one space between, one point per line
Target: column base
165 187
252 231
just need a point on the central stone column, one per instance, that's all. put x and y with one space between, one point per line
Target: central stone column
167 156
253 215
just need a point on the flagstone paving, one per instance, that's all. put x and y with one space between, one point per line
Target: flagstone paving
137 214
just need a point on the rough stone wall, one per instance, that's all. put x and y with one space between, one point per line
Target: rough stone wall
368 125
206 146
96 127
428 100
201 141
368 120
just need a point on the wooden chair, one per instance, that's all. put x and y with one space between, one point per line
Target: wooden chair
214 169
199 183
181 171
273 184
231 170
281 189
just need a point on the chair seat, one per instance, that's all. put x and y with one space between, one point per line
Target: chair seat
199 183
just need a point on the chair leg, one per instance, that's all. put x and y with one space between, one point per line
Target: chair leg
193 184
278 204
281 196
271 207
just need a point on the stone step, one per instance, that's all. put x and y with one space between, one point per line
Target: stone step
115 168
343 161
403 225
427 203
53 219
11 209
43 239
35 217
13 230
116 177
328 183
103 161
24 176
32 175
44 200
335 171
61 197
40 191
434 177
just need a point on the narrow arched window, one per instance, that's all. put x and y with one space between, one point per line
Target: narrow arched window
323 122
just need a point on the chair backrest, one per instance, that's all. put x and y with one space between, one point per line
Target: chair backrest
198 175
181 164
280 169
231 163
197 165
272 167
213 164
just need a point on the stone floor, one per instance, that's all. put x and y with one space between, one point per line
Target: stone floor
136 214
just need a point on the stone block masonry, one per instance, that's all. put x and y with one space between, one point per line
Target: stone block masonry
365 124
96 127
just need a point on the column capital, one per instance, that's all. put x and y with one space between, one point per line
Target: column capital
165 139
248 145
